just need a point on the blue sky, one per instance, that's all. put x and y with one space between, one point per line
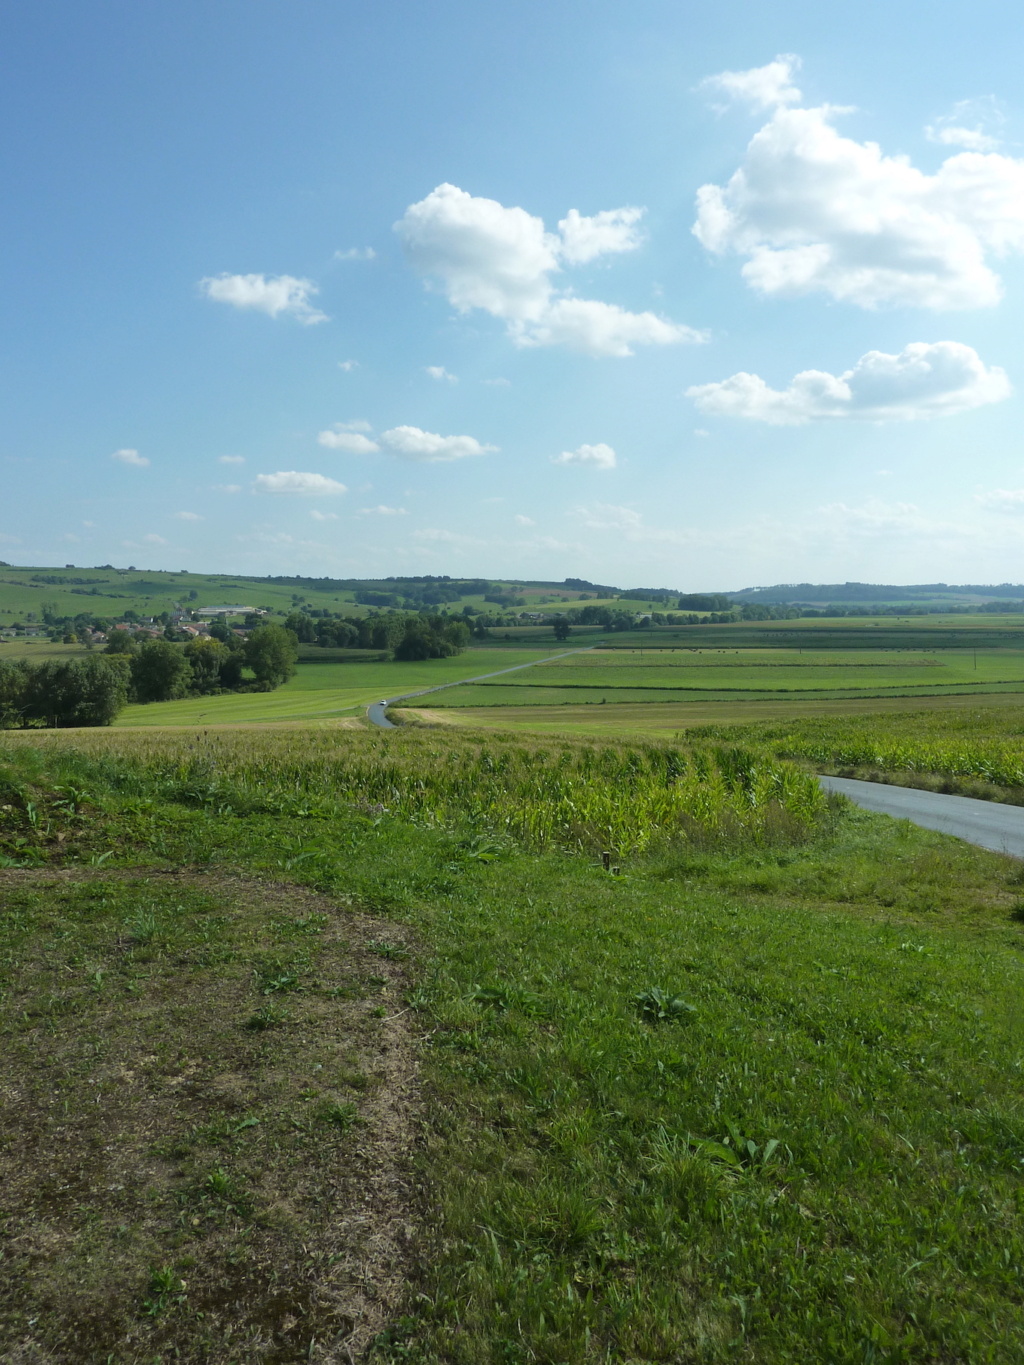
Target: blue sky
700 296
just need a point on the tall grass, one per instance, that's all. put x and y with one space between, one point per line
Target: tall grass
542 793
981 744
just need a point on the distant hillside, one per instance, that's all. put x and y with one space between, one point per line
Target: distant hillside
818 594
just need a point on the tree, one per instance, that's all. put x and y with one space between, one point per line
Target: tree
271 652
67 692
561 628
206 658
160 672
121 642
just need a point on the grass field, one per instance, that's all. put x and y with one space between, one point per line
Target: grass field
754 1097
659 676
322 691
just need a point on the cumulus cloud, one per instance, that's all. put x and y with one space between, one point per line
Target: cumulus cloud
501 260
815 212
969 125
188 516
231 459
765 87
439 372
599 456
351 442
131 457
275 295
607 232
413 444
924 380
292 481
383 511
356 253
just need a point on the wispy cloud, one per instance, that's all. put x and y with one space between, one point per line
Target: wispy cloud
131 457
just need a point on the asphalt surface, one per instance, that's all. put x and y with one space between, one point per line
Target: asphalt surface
986 823
377 711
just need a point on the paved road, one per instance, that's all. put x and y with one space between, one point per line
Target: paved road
377 712
986 823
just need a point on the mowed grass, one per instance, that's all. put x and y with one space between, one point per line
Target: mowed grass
617 721
659 675
322 691
747 1099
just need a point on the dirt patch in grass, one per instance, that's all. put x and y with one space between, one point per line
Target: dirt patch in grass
208 1104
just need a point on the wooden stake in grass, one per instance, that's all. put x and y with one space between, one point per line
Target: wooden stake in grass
606 860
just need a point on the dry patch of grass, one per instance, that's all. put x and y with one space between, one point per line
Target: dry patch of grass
209 1103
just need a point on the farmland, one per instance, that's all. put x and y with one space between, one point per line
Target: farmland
754 1093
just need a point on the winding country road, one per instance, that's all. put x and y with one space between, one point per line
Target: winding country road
986 823
377 712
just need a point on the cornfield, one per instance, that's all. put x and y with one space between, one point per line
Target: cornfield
567 794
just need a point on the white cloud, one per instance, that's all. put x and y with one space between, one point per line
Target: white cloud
323 516
152 539
1003 500
88 523
502 260
231 459
227 487
409 442
966 125
188 516
598 456
700 431
497 383
605 516
413 444
765 87
383 511
292 481
610 231
455 538
439 372
348 365
816 212
351 442
131 457
271 294
924 380
600 329
356 253
520 520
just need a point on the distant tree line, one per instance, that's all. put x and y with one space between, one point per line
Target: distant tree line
419 636
58 693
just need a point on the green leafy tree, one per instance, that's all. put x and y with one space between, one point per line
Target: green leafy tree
72 692
160 672
561 628
206 658
121 642
271 652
